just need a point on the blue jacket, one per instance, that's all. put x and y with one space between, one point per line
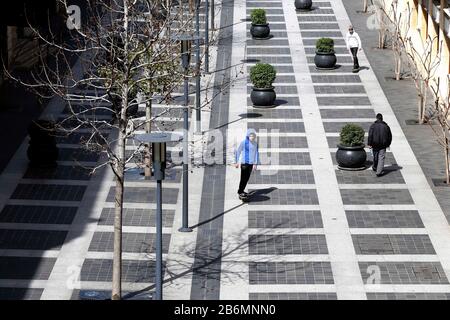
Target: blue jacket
247 151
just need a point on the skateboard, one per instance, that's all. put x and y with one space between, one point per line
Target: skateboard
355 70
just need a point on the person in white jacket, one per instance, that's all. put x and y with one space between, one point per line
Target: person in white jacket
354 45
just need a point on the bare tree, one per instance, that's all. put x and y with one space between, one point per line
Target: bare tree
440 112
423 63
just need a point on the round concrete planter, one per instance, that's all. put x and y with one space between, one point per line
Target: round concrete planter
303 5
260 31
325 60
263 97
351 158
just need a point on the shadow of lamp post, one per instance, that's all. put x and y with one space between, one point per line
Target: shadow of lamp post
158 141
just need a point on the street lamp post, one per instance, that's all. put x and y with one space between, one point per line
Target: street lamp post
186 41
158 141
206 36
197 67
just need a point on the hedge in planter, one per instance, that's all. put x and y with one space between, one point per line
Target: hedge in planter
325 57
262 75
303 5
351 154
260 28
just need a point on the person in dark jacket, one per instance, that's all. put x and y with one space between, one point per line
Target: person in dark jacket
380 138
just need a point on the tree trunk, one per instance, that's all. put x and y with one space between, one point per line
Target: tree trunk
398 66
424 102
365 5
447 160
117 254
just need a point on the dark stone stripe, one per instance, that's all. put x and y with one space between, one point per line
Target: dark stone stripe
207 263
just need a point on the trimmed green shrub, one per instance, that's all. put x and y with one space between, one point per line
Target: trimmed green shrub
258 16
352 135
325 45
262 75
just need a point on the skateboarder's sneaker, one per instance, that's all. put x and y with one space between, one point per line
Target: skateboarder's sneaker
243 196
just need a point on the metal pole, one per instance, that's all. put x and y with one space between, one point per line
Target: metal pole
213 13
185 223
197 64
159 274
206 36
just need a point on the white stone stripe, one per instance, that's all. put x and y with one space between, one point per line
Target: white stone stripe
408 288
281 134
254 186
280 150
283 258
125 255
277 84
147 205
347 120
337 134
342 257
284 231
346 107
374 186
265 55
404 231
319 84
292 288
337 95
277 120
377 207
398 258
133 229
251 108
284 167
273 64
235 222
287 207
146 184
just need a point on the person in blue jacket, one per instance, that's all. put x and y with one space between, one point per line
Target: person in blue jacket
247 156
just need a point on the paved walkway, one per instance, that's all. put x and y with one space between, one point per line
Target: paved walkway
315 232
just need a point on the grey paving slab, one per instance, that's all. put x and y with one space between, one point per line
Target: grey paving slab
368 177
316 18
31 239
392 244
282 177
281 102
293 296
271 60
287 244
406 272
343 101
271 42
346 113
48 192
268 51
407 296
321 34
26 268
274 33
20 294
136 217
384 219
37 214
132 270
274 113
376 196
145 195
265 4
281 126
286 158
283 142
131 242
284 219
290 273
338 89
60 173
137 174
283 197
324 26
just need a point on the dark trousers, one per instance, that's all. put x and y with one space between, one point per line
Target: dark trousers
246 171
355 58
378 160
